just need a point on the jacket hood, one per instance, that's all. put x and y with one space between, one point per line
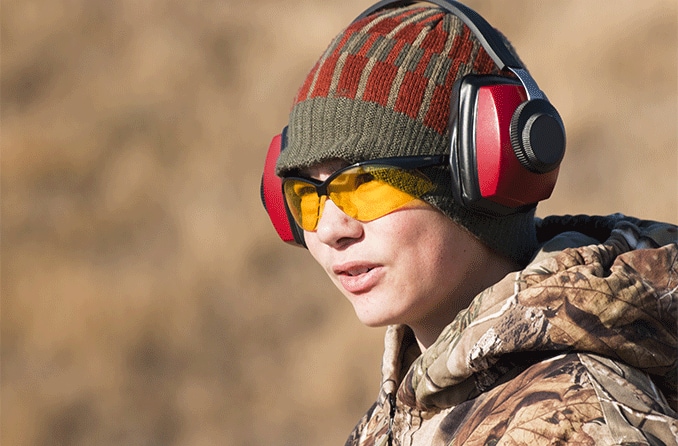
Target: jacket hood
601 285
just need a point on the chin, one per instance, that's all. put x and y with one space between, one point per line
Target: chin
375 324
374 320
374 309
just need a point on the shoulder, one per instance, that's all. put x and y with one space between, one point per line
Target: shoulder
579 230
572 398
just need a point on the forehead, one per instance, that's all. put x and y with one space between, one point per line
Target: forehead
324 169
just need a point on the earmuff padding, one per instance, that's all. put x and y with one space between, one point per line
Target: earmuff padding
273 198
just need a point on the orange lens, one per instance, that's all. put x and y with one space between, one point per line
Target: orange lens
364 192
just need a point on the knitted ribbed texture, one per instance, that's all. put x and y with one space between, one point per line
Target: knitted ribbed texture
382 88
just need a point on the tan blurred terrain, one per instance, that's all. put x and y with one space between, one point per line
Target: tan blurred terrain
145 298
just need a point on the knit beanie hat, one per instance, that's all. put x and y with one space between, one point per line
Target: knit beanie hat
382 89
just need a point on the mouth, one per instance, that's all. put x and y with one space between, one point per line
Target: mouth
353 269
358 278
356 271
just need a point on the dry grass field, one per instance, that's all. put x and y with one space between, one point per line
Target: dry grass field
145 298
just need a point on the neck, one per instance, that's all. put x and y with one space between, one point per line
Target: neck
485 274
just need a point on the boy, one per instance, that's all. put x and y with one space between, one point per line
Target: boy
502 328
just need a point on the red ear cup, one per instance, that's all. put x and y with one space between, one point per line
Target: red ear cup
505 150
273 198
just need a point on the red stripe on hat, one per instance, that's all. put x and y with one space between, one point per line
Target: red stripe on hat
379 83
350 76
438 113
324 81
411 95
435 41
460 53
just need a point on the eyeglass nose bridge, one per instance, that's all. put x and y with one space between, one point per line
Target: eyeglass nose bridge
322 188
324 194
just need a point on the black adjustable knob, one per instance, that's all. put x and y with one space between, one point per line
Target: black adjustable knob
538 136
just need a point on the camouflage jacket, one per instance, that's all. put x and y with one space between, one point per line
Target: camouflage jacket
578 348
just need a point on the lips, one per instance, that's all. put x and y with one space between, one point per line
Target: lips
357 278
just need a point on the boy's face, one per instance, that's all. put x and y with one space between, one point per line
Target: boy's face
414 266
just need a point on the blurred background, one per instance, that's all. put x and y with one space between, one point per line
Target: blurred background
145 297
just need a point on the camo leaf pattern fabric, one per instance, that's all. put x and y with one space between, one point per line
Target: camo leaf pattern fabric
579 348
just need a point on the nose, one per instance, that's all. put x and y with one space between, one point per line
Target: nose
336 229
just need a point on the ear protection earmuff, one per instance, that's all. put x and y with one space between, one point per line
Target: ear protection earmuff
273 198
506 148
507 138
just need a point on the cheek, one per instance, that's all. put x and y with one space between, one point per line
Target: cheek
321 253
313 245
420 228
431 246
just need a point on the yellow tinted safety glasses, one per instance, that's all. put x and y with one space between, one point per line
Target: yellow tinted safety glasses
364 191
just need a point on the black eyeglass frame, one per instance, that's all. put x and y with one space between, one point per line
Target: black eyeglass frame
399 162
